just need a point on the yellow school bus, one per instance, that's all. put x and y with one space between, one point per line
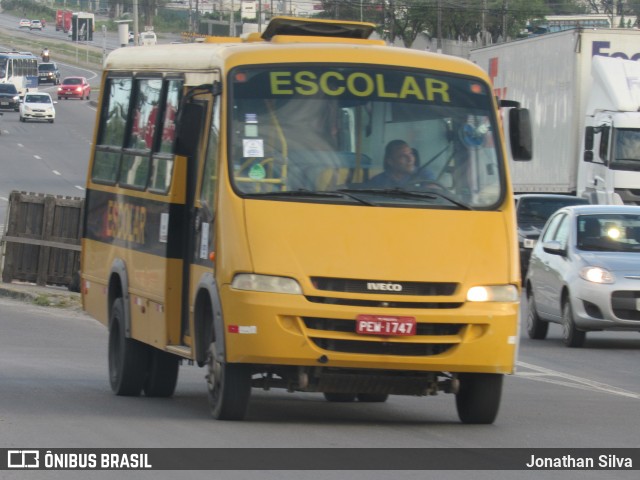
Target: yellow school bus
305 209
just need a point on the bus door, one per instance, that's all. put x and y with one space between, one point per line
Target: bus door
201 156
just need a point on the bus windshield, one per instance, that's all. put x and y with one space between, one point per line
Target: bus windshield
384 135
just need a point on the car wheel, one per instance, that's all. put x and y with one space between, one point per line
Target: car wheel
536 328
478 398
51 121
571 336
59 98
22 118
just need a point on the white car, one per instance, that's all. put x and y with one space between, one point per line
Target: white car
24 23
37 106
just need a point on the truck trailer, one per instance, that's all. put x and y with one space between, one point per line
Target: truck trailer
582 88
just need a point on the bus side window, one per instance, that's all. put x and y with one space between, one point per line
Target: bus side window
112 130
208 187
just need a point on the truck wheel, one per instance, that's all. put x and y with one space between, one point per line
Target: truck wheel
478 399
128 358
339 397
571 336
373 397
229 387
162 375
536 328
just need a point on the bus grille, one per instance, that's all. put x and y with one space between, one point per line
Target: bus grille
318 325
347 285
382 348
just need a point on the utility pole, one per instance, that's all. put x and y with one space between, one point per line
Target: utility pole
439 42
504 20
135 22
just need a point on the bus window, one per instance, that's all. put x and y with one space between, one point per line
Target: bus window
207 190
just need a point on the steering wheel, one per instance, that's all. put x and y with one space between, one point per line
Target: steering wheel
429 185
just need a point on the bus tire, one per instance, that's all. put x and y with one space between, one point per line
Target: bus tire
229 387
339 397
373 397
478 398
128 358
162 375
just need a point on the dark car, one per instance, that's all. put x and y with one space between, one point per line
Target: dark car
48 73
9 97
74 87
532 212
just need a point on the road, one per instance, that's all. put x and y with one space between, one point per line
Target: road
55 394
48 158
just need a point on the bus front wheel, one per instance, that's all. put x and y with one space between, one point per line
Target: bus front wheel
128 358
478 398
229 387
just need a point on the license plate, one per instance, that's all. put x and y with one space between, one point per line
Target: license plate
385 325
4 103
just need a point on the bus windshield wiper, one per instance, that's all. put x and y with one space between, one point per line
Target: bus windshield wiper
303 192
398 192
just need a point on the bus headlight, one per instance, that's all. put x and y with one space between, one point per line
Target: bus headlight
266 283
493 293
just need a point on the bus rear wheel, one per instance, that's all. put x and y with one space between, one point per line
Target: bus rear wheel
229 387
478 398
128 358
162 375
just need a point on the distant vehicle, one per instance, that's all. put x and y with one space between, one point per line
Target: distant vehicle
532 212
576 136
102 11
37 106
24 23
63 20
584 272
48 73
147 38
9 97
35 25
20 69
74 87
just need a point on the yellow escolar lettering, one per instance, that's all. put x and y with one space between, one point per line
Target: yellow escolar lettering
358 84
126 221
437 87
306 82
278 83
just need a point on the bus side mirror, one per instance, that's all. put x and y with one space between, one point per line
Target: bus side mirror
520 134
190 126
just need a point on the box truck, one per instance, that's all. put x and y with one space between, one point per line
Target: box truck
582 88
63 20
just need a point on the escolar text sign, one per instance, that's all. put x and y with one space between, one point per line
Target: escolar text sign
358 84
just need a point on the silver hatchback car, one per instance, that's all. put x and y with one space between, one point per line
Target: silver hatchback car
584 272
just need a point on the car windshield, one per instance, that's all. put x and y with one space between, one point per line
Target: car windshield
369 135
8 88
609 233
46 67
37 99
536 211
72 81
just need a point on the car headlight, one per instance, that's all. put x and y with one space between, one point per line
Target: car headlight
16 98
597 275
493 293
266 283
